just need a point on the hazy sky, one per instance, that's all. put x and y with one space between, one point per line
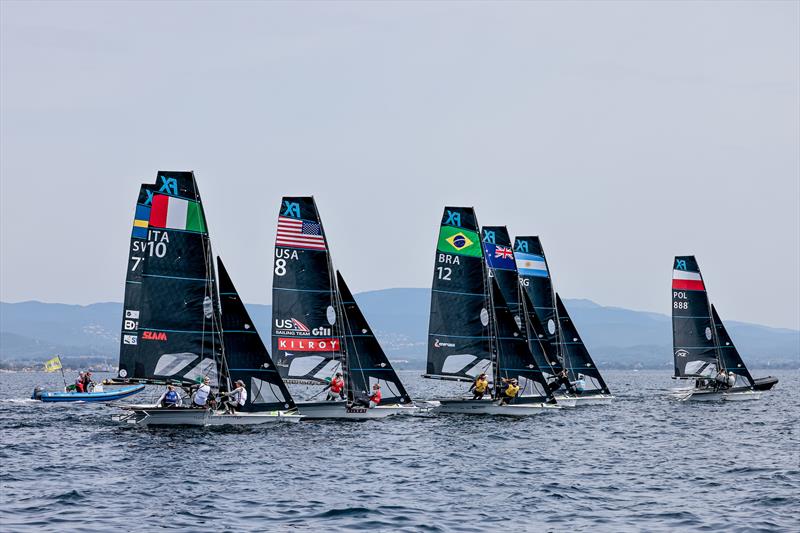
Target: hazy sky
622 133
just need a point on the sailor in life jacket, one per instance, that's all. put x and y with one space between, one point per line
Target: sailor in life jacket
335 388
579 384
79 383
721 379
235 398
479 387
373 400
201 396
170 398
731 379
510 391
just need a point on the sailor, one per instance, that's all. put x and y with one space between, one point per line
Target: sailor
79 383
373 400
562 378
731 379
509 392
479 387
88 384
236 398
335 388
170 398
579 384
721 380
201 396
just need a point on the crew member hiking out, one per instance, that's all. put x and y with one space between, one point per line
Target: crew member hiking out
479 387
335 388
509 392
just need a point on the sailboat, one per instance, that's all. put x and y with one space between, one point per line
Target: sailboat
173 330
702 348
472 331
564 346
318 328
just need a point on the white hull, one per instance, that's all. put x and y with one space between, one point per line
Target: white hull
489 407
591 399
717 396
150 416
339 410
566 401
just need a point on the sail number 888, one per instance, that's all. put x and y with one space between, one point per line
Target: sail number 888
680 305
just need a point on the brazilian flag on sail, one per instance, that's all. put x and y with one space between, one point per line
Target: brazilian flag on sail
460 241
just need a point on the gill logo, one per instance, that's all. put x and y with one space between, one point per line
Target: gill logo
488 236
680 264
521 246
291 209
453 218
169 186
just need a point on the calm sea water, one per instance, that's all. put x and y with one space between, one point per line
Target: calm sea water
644 463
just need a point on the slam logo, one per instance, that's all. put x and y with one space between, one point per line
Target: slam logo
154 336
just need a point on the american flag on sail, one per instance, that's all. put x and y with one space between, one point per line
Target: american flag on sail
296 233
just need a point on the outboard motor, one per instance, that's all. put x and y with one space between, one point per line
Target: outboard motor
37 393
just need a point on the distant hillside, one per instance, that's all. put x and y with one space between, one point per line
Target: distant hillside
618 338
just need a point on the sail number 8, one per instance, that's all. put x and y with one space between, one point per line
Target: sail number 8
280 267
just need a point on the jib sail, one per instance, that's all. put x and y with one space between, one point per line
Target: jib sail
245 353
576 357
535 280
514 359
730 359
367 364
458 333
693 340
306 342
171 321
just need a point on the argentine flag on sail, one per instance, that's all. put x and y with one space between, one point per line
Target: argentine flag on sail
531 265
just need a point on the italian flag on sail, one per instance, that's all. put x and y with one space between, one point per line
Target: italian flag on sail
176 213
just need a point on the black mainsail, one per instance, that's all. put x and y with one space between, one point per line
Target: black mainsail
730 360
367 363
306 340
459 337
513 357
245 353
171 329
535 281
693 333
576 356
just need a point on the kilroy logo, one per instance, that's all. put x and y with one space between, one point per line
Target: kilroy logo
308 345
154 336
439 344
681 353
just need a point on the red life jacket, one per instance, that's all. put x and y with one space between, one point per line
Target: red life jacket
376 397
337 385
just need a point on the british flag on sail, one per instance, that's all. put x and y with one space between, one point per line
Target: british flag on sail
499 256
297 233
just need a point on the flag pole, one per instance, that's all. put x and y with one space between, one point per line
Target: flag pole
61 366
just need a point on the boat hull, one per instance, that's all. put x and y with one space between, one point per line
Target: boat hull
339 410
465 406
156 416
592 399
102 396
716 396
764 383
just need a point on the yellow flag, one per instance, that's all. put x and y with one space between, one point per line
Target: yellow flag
53 364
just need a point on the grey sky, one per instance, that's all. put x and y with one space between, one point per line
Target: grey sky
622 133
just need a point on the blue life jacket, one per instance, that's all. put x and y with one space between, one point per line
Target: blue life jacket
171 397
